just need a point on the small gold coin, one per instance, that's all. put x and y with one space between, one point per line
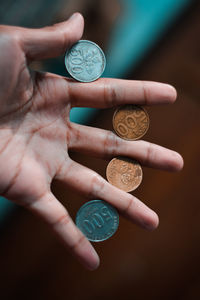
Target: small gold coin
124 173
130 122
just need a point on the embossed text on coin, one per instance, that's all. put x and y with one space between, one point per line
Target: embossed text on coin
124 173
98 220
130 122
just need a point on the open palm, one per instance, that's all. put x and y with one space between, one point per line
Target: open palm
36 134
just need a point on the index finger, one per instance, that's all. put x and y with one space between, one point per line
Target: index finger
53 40
108 92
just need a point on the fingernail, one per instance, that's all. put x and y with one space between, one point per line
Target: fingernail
166 92
173 92
94 261
178 160
73 16
152 223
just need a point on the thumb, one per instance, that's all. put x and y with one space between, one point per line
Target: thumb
53 40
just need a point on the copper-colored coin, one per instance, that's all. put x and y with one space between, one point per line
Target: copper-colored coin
124 173
130 122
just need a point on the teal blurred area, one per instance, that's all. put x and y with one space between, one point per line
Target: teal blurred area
28 13
6 207
141 23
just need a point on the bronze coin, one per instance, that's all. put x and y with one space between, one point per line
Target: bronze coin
130 122
124 173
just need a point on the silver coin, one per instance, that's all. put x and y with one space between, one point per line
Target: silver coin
97 220
85 61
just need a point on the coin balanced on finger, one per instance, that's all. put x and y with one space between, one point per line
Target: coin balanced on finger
124 173
130 122
85 61
97 220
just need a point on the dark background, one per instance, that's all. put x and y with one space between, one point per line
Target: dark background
135 264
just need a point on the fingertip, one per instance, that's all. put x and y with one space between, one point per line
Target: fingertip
176 163
75 25
94 261
152 222
93 267
181 165
88 256
169 93
172 93
179 162
75 16
162 92
155 222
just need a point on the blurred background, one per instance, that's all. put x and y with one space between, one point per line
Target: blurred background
145 40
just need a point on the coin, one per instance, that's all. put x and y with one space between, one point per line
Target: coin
124 173
130 122
85 61
97 220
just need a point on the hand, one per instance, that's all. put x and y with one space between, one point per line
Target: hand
36 134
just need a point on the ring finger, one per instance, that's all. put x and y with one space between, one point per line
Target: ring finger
105 144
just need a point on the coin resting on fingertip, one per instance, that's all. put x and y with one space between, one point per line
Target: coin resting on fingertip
85 61
97 220
130 122
124 173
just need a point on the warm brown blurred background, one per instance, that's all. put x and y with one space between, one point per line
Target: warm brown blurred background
135 264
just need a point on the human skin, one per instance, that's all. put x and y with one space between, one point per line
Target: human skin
36 133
